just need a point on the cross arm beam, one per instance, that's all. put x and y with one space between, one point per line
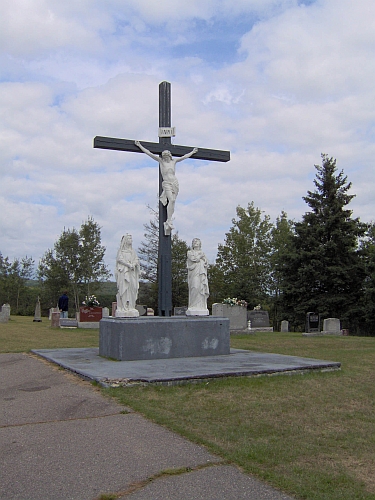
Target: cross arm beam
156 148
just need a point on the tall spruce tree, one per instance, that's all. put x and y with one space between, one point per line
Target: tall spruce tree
323 271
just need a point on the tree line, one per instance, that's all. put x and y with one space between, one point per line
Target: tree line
323 263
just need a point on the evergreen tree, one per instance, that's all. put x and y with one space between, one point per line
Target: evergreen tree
323 271
148 255
368 300
244 259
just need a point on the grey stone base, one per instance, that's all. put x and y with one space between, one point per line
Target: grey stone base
88 324
261 329
145 338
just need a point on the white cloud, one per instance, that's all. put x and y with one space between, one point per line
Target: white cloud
301 84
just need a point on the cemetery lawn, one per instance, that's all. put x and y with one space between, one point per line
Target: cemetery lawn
312 436
21 334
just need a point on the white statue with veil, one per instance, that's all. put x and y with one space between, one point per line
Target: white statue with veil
197 265
127 278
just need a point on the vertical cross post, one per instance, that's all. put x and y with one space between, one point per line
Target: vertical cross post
165 242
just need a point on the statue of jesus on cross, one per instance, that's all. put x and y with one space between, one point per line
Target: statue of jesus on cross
170 183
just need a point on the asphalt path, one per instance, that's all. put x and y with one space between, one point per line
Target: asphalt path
61 439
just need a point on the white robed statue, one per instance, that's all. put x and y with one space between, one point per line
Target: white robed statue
127 278
197 265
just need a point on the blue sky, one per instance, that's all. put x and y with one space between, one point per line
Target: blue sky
276 82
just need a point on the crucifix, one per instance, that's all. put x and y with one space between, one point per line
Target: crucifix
166 132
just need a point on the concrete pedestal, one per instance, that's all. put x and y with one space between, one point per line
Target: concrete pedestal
142 338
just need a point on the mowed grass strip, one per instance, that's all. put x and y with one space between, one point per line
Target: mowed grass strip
310 435
21 334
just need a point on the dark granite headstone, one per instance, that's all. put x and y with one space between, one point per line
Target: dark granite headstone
258 318
312 322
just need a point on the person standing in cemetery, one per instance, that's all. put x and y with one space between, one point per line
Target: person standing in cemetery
64 305
127 276
170 183
197 265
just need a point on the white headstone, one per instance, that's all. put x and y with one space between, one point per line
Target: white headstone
284 326
332 325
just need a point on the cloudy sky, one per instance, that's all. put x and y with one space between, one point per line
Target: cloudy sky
276 82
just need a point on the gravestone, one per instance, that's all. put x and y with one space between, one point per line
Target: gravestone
331 326
236 314
141 309
68 323
105 312
114 307
259 320
5 313
312 322
284 326
180 311
55 319
37 315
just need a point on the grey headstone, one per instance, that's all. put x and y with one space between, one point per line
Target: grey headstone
141 309
105 312
180 311
37 314
68 323
284 326
6 310
332 325
236 314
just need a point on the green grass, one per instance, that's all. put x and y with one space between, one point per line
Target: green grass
313 435
21 334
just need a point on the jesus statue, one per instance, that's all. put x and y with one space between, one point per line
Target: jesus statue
170 183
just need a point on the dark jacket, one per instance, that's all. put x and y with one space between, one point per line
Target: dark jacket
63 302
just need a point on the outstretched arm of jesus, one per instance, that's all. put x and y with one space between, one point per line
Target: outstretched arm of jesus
195 150
142 148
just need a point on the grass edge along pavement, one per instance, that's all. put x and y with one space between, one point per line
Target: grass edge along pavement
310 435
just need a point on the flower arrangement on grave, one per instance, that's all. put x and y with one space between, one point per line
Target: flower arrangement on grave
235 302
91 301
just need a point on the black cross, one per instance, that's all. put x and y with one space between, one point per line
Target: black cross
164 259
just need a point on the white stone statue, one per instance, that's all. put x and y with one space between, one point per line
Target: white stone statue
127 278
197 265
170 183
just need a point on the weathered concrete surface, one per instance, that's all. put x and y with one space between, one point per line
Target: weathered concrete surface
88 363
61 439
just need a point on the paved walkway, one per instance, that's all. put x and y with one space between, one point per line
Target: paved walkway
61 439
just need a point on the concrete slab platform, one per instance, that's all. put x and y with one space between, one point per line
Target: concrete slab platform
87 363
